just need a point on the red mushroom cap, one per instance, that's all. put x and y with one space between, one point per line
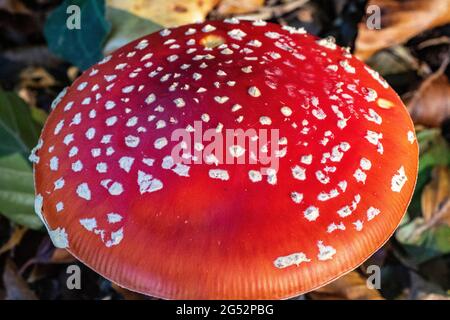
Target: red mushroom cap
321 181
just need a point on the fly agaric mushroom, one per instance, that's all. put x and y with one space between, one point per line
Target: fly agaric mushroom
111 192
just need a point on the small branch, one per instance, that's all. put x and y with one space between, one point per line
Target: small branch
266 13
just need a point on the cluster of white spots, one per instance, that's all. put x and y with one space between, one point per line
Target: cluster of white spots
58 99
179 102
114 217
333 227
325 196
377 77
59 238
115 237
160 143
179 168
298 173
89 223
272 35
150 98
219 174
411 137
337 153
311 213
147 183
342 120
328 42
372 213
83 191
296 197
132 141
59 207
77 166
254 91
359 173
101 167
347 67
371 95
125 163
398 180
255 176
236 151
34 158
358 224
221 100
114 188
373 116
54 163
237 34
290 260
374 138
271 176
286 111
293 30
326 252
265 120
322 177
349 209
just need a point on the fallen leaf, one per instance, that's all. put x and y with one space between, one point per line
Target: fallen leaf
16 287
434 296
17 191
351 286
14 7
231 7
127 294
18 132
83 46
168 13
436 197
14 239
36 78
430 104
62 256
126 27
395 60
400 21
423 242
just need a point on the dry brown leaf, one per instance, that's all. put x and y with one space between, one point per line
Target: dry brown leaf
62 256
400 21
16 287
434 296
14 7
127 294
436 197
436 193
14 239
36 78
430 104
351 286
168 13
231 7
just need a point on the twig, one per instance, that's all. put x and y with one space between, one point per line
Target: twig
266 13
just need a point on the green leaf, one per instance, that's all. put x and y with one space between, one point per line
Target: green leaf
83 46
126 27
425 244
18 132
17 191
434 151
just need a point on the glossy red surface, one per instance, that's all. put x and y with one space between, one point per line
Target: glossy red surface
177 232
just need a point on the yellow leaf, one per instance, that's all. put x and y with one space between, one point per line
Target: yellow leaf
351 286
168 13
